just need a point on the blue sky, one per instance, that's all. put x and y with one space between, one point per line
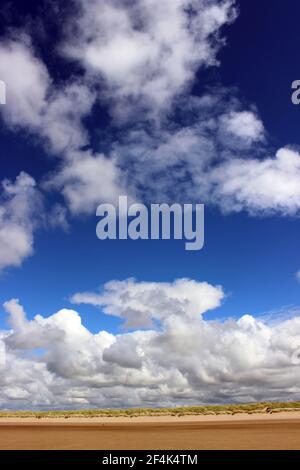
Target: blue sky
142 142
263 249
255 260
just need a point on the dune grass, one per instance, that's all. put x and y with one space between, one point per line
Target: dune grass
247 408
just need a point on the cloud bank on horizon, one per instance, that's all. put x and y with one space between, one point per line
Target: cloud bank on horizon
171 356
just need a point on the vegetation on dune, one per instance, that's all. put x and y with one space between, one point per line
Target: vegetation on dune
248 408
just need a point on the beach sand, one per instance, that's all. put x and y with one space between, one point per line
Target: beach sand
280 431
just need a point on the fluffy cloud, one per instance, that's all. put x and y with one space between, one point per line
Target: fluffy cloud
27 82
20 202
141 303
244 126
145 52
270 185
55 114
61 123
176 162
217 155
56 362
34 103
86 179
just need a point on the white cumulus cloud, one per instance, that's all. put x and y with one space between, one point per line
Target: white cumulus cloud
86 179
20 202
36 104
27 82
269 185
148 51
141 302
56 362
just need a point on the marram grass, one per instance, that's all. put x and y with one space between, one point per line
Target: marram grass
248 408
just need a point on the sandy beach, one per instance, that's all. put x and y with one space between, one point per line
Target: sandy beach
279 431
